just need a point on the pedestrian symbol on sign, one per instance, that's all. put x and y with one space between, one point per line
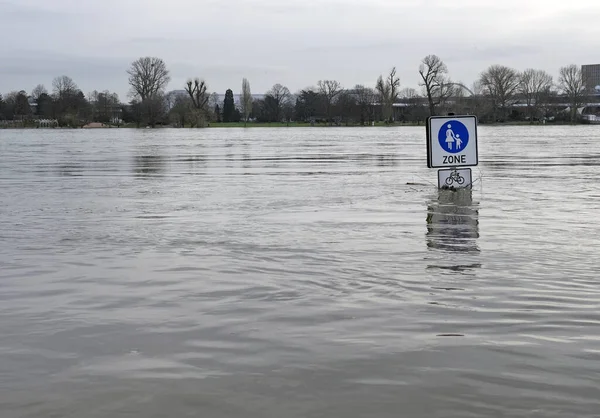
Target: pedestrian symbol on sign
453 136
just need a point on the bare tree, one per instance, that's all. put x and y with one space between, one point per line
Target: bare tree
408 93
93 96
383 90
64 86
170 99
438 87
411 98
500 83
534 84
571 84
66 96
277 97
154 107
10 102
197 92
199 97
394 83
2 108
148 76
109 106
365 99
93 101
181 109
214 109
105 106
38 91
345 108
246 101
546 99
388 93
288 110
329 89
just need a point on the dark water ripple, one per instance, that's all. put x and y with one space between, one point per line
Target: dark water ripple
297 273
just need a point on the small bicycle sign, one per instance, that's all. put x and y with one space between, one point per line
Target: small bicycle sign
454 178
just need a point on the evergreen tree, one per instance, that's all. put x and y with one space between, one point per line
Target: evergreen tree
228 107
237 115
45 106
22 108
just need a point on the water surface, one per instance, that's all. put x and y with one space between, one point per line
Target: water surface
297 273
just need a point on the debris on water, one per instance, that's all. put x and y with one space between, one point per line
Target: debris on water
444 187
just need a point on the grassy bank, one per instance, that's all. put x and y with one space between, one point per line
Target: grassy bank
377 124
299 125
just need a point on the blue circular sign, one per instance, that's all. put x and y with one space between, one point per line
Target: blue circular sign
453 136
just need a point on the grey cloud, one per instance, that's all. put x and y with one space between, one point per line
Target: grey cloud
89 73
494 54
145 40
18 10
294 42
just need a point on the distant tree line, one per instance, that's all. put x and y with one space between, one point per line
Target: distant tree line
491 97
67 104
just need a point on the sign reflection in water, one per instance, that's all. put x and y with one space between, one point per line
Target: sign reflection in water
453 221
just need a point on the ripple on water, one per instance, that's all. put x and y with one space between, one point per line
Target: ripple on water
297 272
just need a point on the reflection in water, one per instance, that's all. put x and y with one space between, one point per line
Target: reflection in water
229 156
196 163
70 169
140 286
452 221
387 160
246 159
246 162
149 165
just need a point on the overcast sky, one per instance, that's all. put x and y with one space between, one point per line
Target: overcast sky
292 42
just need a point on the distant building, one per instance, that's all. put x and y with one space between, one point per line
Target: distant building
178 93
32 105
236 97
591 77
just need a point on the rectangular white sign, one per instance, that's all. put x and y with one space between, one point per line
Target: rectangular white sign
452 141
456 177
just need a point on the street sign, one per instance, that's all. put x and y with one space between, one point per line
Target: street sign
455 177
452 141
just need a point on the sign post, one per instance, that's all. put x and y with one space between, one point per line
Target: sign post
451 144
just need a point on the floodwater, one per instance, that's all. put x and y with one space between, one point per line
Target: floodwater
297 273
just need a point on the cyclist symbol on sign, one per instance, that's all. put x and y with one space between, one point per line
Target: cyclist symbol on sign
454 177
453 136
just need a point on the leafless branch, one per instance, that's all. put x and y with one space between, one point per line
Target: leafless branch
148 76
